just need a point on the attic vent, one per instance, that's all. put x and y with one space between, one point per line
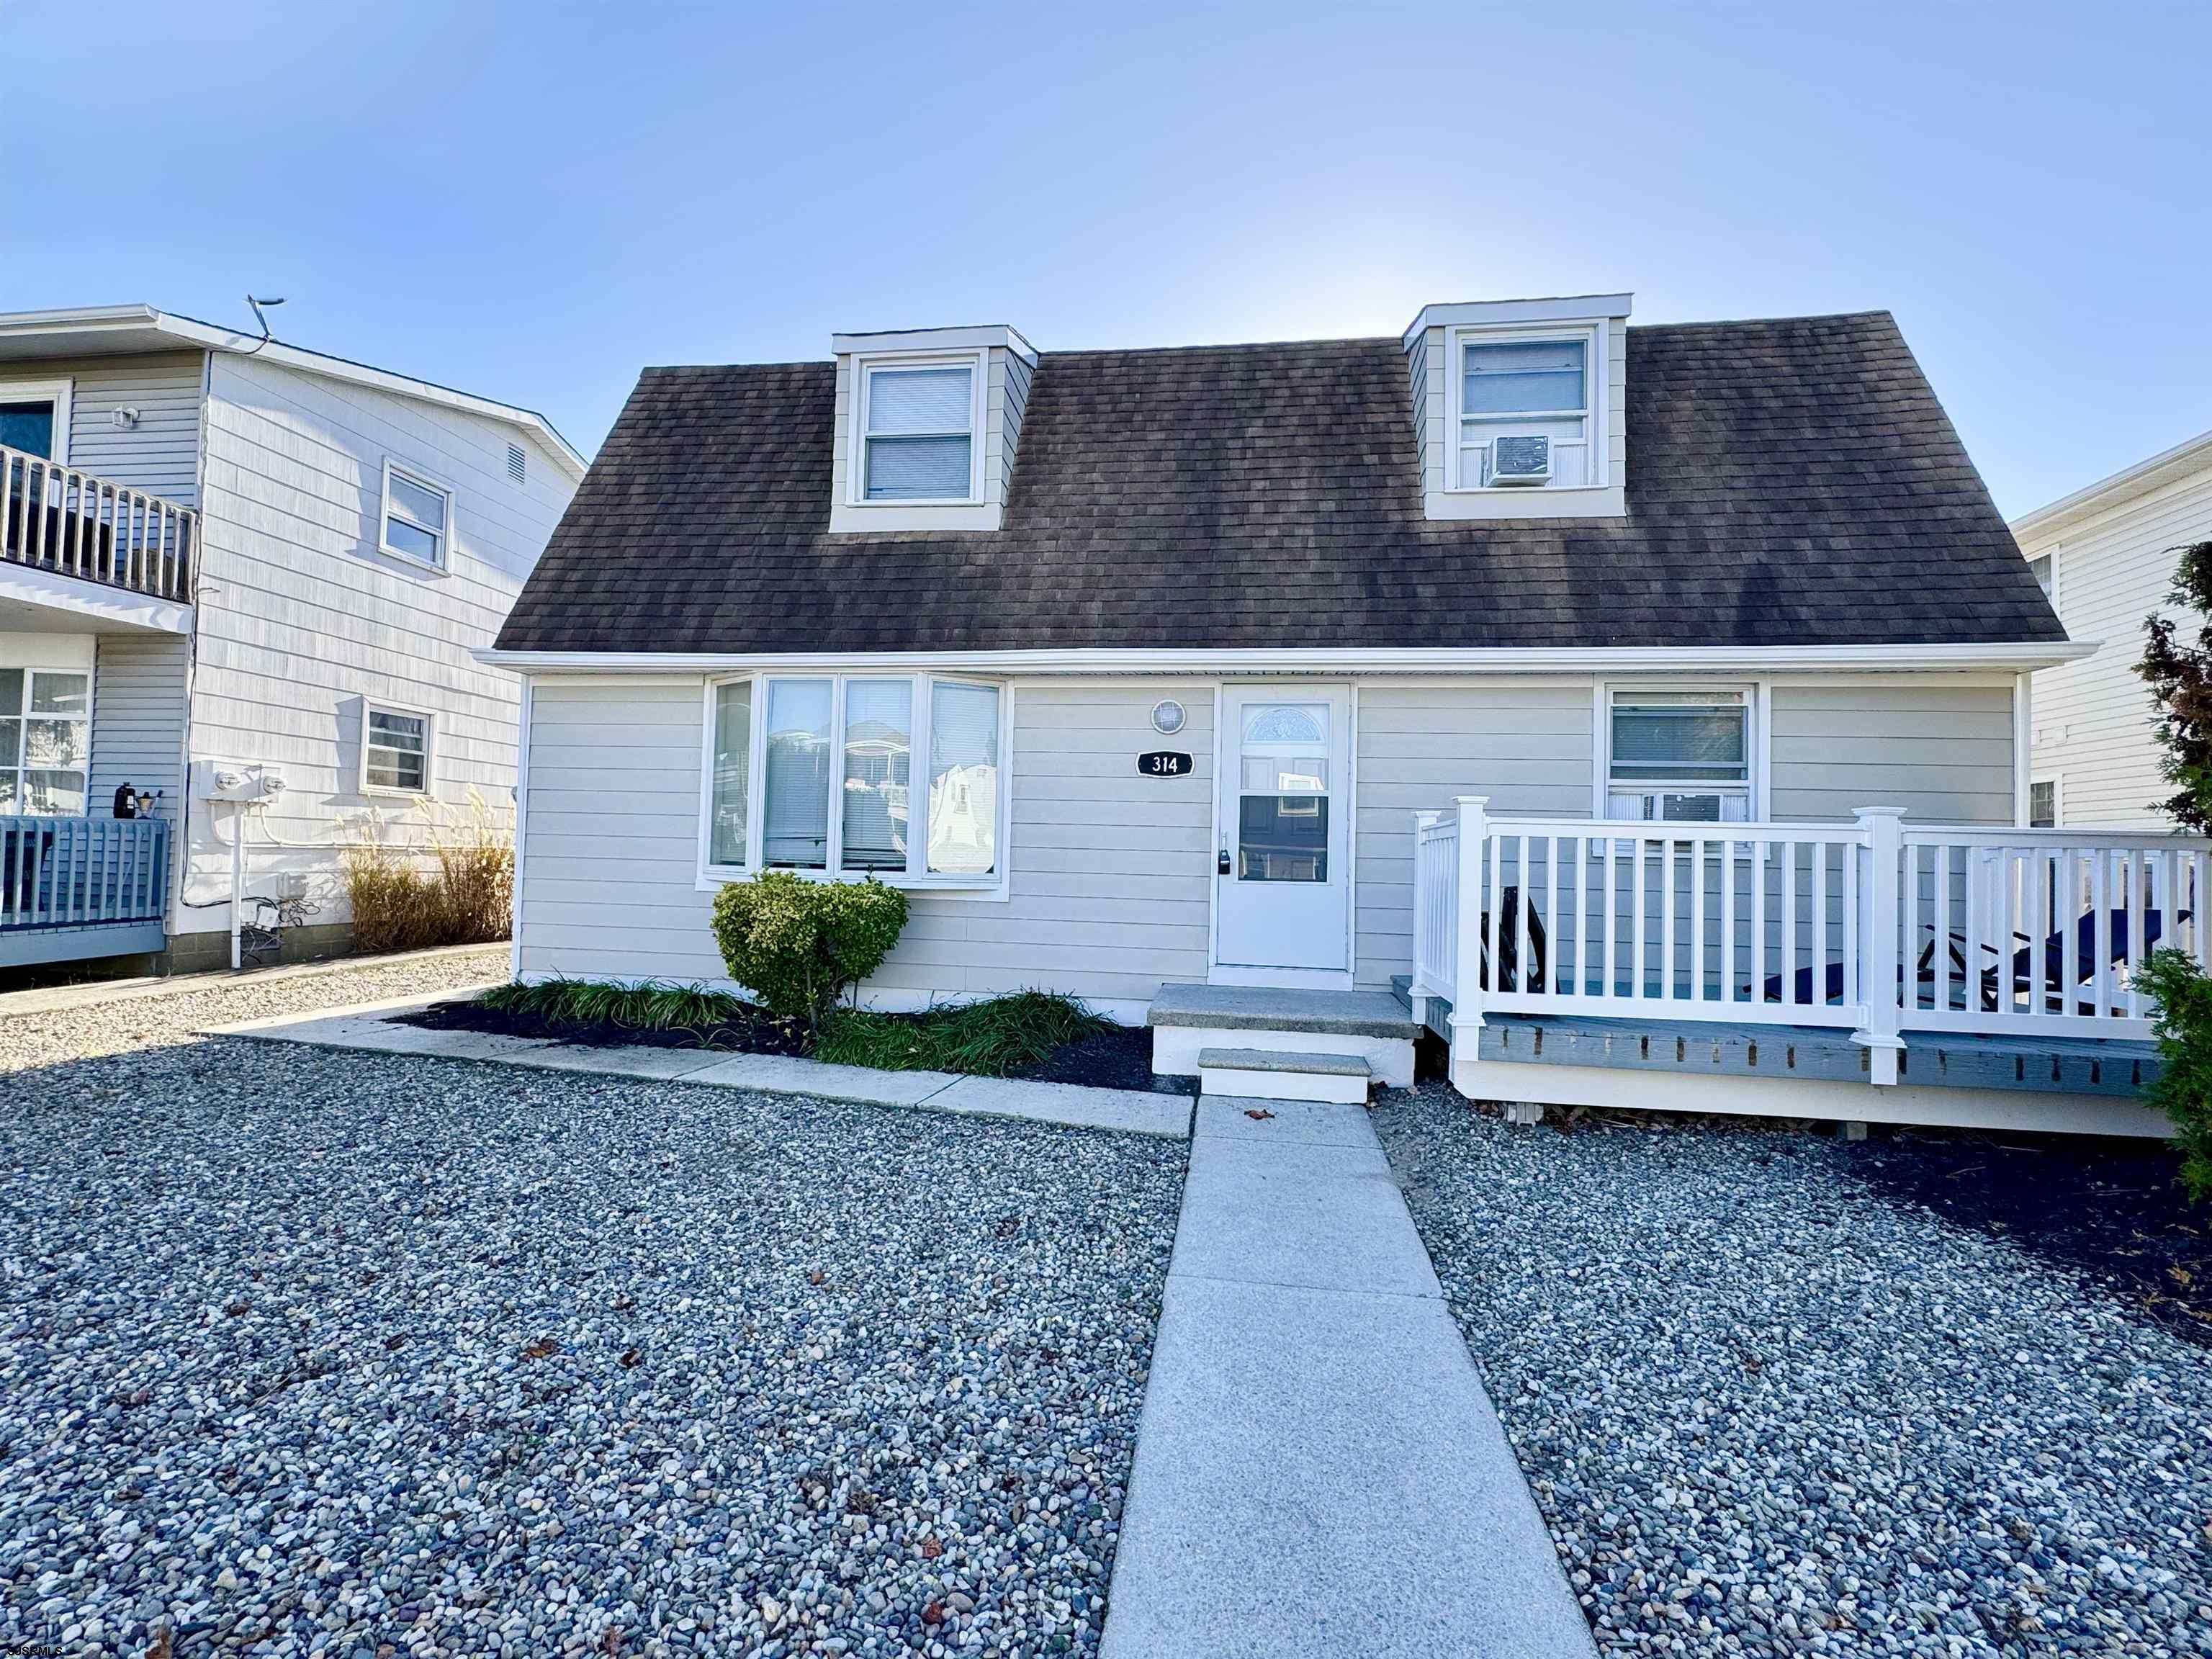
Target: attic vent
515 463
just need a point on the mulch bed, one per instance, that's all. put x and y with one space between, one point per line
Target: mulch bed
2114 1209
1118 1057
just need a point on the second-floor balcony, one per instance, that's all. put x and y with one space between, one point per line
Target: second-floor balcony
60 521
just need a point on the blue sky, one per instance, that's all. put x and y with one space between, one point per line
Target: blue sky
533 201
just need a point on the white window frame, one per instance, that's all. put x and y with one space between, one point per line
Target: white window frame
30 671
2057 783
59 393
916 876
1756 700
1597 382
370 706
2052 554
978 363
422 480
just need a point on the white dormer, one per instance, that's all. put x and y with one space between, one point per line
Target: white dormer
928 421
1519 405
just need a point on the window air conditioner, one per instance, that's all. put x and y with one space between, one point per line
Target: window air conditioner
1520 460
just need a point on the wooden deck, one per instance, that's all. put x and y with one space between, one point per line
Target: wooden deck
2058 1064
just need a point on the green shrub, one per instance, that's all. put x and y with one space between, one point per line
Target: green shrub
2183 995
797 945
653 1006
990 1038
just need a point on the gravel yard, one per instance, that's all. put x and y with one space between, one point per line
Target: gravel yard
309 1354
1770 1406
119 1020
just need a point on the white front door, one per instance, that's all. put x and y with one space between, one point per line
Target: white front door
1283 875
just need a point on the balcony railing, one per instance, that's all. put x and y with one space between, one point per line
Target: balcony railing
81 873
55 517
1873 927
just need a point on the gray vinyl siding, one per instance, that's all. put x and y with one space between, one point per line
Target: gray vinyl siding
1942 751
1110 872
1017 402
1526 744
138 718
162 453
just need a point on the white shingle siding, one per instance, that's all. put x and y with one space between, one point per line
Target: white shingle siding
2093 719
301 620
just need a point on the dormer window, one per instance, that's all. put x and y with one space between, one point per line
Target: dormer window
1525 410
918 424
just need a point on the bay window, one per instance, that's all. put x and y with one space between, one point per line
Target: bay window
835 758
1679 757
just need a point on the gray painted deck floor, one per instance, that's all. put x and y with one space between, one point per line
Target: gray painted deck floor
1319 1472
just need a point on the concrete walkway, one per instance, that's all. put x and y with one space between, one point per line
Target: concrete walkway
1319 1472
369 1027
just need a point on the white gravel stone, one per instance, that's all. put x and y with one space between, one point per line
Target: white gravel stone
316 1353
130 1022
1769 1409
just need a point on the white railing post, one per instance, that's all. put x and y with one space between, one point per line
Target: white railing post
1425 965
1467 986
1881 925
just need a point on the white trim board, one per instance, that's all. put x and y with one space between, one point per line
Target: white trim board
2017 656
58 392
112 608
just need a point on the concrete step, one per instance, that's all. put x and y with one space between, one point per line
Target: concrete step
1363 1025
1269 1008
1284 1074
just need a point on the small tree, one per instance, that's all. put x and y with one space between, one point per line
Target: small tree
797 945
2180 677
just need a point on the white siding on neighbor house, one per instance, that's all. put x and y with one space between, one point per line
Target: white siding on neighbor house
1111 871
162 453
1112 876
138 718
1941 749
302 621
1525 743
2093 719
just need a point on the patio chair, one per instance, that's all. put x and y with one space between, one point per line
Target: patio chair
2052 989
1508 945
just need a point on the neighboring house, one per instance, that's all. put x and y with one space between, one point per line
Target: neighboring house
2105 556
1185 652
237 569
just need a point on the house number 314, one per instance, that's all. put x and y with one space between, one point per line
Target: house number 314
1163 763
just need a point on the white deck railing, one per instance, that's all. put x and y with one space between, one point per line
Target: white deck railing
1869 925
55 517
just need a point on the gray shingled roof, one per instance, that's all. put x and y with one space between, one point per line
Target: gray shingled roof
1790 483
